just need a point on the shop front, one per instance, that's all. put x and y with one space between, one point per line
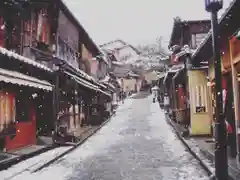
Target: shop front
171 89
200 103
180 84
77 103
22 83
18 108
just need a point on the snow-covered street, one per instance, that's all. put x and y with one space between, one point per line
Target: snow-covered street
137 144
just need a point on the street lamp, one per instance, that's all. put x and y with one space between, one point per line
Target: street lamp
213 5
221 164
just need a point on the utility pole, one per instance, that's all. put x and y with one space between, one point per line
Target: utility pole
221 162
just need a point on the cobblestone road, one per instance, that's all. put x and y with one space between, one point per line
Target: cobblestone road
137 144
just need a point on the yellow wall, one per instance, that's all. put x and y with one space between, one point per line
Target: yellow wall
200 122
151 76
129 84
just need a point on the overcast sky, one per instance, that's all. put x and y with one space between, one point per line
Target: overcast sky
134 21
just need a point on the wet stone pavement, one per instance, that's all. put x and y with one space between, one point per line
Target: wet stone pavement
137 144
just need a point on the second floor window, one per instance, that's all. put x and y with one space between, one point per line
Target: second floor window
194 43
43 27
197 39
66 53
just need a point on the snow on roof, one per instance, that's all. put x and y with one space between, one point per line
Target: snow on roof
111 85
133 74
85 75
113 44
14 55
106 79
117 63
15 77
104 55
176 68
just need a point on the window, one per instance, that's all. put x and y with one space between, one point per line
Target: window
43 27
7 109
66 53
200 99
197 39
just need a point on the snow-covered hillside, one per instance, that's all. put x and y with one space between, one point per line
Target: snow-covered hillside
126 54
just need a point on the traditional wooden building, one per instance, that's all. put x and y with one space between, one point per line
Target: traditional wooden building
186 36
25 86
230 70
46 59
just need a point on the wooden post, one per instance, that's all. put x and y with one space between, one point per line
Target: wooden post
235 96
74 111
74 103
55 107
79 105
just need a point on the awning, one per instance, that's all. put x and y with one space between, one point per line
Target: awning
102 85
111 85
99 90
86 83
174 69
16 56
82 81
14 77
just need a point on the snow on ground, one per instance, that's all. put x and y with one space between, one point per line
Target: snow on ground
32 163
23 169
137 144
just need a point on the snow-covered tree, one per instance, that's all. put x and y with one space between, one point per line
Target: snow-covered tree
155 48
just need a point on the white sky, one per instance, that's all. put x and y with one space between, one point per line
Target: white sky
134 21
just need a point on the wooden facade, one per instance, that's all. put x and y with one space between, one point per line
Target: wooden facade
230 69
185 33
43 74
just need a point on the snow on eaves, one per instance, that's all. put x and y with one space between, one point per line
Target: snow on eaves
16 56
105 79
83 74
113 44
103 55
117 63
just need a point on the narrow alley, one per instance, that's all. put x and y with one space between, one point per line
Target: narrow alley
136 144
